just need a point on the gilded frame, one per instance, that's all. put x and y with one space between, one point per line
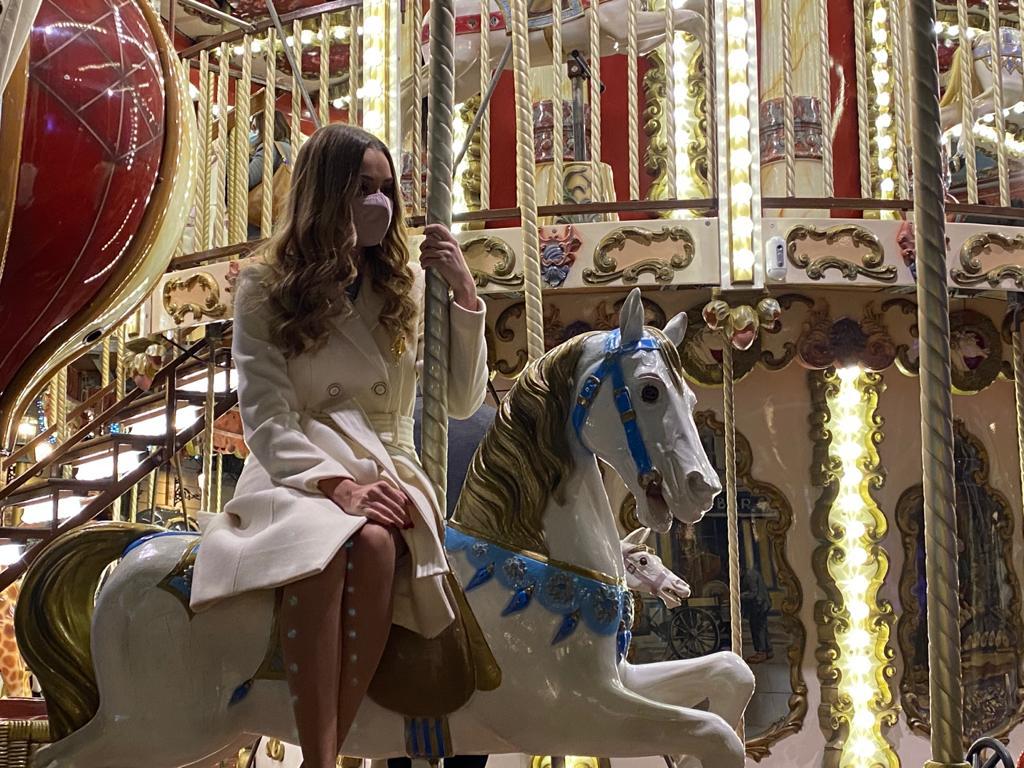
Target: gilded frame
909 502
792 600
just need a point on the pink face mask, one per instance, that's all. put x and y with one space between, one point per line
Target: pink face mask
372 217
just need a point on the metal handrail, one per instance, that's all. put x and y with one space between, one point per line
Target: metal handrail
164 374
262 26
24 450
100 502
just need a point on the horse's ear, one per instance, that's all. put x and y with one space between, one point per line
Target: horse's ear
676 329
635 538
631 318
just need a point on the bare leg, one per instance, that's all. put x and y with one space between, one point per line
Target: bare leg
366 616
309 617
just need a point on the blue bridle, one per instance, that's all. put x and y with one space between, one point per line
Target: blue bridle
611 367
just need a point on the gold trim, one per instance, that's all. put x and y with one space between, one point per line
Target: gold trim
579 570
147 256
503 273
832 616
212 307
11 132
655 103
970 271
910 525
606 269
275 750
872 264
792 600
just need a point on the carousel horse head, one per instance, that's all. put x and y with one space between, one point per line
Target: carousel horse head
645 573
635 411
618 396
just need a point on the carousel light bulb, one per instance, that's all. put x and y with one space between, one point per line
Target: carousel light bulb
864 720
737 27
306 36
887 185
26 429
43 450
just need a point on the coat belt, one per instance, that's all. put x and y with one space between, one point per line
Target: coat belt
394 430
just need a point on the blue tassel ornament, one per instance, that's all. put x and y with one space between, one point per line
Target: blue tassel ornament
568 626
520 600
481 577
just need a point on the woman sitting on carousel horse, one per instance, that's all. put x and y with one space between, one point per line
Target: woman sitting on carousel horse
332 505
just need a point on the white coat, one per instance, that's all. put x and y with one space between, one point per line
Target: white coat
345 410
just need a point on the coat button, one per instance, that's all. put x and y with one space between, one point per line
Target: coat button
380 388
334 390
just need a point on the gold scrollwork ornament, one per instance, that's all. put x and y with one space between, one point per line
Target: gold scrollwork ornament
212 307
872 264
971 273
606 268
503 272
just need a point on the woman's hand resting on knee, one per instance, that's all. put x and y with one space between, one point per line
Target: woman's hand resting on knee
380 502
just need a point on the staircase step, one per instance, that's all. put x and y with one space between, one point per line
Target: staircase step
43 487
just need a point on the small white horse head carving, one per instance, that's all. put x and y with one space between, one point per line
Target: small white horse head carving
645 573
661 461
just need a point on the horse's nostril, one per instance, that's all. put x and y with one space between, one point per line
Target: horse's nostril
699 486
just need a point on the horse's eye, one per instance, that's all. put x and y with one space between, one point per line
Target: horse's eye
650 394
643 561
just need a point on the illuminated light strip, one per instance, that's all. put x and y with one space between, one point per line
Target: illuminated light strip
856 564
739 163
883 108
380 63
460 129
685 118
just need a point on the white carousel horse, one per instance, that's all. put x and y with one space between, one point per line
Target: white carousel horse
647 574
688 17
533 541
983 77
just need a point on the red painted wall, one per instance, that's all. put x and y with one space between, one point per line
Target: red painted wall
614 134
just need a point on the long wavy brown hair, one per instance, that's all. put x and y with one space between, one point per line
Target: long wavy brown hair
310 261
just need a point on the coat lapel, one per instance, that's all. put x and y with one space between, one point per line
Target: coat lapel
358 328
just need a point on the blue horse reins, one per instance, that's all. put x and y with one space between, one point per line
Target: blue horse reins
611 366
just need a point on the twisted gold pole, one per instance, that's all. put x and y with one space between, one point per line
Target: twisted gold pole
632 98
485 118
105 361
997 102
417 110
1018 383
439 211
121 369
324 97
597 185
296 88
269 145
526 171
897 29
671 189
354 60
220 176
710 94
202 227
945 695
863 127
557 101
967 102
788 127
240 166
825 85
732 505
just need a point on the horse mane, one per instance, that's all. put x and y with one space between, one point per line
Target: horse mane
525 457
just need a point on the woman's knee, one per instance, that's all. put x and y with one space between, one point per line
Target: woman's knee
375 540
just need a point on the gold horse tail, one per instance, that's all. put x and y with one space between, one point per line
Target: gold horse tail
53 620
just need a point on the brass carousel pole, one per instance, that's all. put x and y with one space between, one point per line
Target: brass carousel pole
945 695
439 211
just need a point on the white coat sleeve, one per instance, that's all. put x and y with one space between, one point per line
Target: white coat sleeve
268 404
467 355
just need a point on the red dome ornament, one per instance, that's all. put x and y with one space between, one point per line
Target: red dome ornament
97 126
